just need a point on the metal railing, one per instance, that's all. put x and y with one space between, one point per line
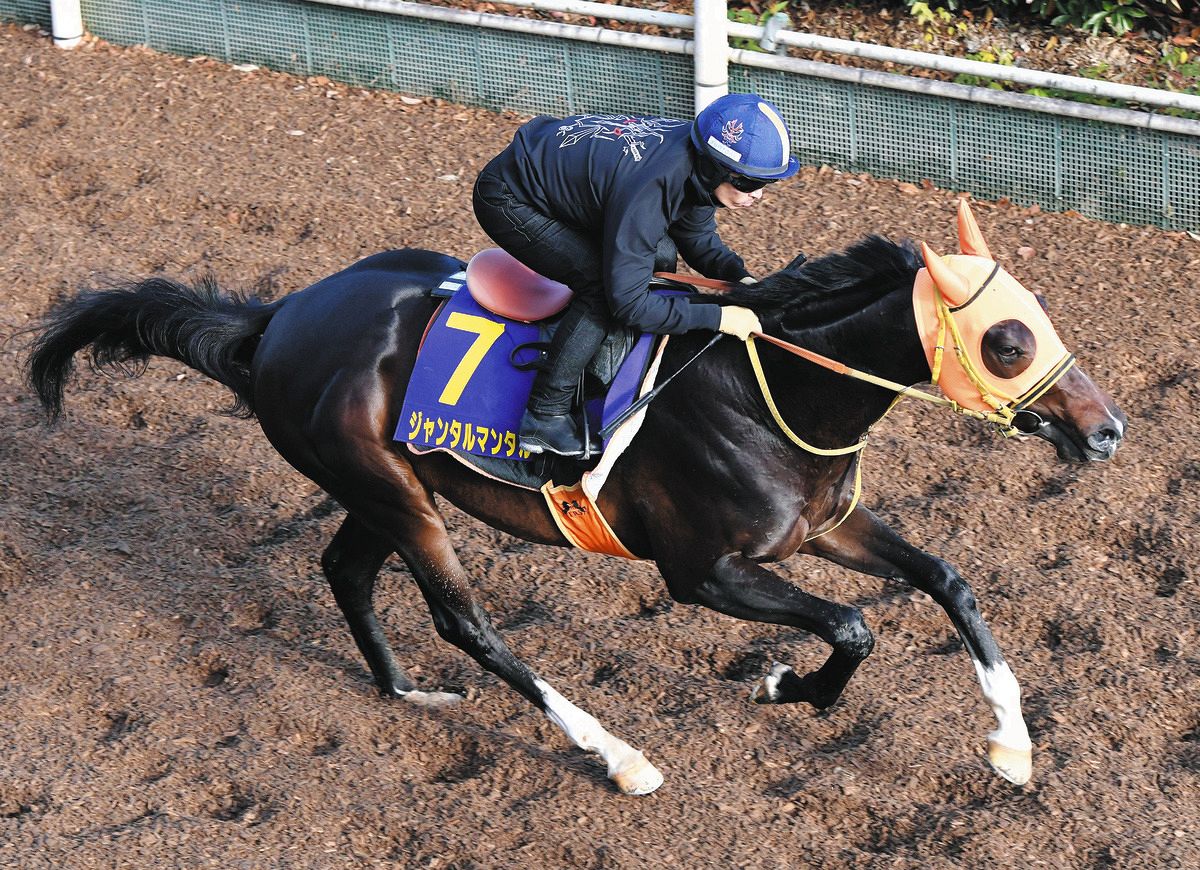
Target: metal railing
1117 164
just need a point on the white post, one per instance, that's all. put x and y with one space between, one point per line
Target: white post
66 23
712 51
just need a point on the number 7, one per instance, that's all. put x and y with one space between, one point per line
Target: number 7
486 331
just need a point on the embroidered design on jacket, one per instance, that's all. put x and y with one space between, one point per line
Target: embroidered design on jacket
631 132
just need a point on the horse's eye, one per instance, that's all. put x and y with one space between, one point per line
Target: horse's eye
1008 348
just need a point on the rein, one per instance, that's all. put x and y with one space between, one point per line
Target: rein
813 357
696 281
1001 417
761 377
1002 414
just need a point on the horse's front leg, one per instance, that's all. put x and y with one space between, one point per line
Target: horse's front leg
864 543
738 587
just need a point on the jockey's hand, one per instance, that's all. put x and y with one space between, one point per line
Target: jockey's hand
749 279
739 321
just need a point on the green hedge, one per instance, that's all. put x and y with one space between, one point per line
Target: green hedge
1114 16
1095 16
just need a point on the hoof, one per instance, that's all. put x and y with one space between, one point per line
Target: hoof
766 690
1015 765
432 699
638 777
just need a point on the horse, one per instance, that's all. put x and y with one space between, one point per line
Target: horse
766 442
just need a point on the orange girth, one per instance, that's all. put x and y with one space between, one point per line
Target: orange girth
581 522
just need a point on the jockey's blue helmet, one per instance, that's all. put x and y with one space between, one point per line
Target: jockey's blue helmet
746 135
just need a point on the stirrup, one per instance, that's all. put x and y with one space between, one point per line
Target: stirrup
591 440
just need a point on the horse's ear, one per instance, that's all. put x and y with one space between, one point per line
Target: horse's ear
951 285
970 240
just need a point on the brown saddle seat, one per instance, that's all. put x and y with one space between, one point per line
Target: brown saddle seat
505 286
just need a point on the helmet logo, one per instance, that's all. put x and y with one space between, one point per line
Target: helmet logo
731 133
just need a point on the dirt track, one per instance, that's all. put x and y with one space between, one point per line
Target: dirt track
177 687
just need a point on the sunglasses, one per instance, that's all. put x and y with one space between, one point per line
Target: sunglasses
746 184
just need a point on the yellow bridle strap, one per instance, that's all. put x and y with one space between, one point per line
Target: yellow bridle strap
853 499
842 369
1004 411
999 406
935 371
756 364
1041 387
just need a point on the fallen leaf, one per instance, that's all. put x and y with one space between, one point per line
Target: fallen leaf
1025 252
910 189
411 101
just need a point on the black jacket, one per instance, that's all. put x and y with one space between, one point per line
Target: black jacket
632 181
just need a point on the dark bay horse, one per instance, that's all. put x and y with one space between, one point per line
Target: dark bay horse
324 371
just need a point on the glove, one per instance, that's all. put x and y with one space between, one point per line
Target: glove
749 279
739 321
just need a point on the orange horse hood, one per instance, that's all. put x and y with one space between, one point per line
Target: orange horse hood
976 295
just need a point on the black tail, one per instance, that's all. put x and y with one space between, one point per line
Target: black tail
212 331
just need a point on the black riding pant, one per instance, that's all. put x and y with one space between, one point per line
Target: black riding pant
564 254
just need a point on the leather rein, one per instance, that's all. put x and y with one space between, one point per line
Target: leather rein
1001 416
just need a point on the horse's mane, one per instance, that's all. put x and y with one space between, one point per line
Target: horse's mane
864 272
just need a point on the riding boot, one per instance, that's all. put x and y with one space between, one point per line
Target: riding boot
548 425
550 433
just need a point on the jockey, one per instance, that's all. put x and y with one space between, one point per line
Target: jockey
588 200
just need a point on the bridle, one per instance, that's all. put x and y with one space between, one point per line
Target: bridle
1010 416
965 280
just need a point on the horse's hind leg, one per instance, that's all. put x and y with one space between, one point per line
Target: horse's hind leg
408 520
351 563
736 586
864 543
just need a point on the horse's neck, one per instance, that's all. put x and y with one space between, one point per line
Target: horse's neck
880 338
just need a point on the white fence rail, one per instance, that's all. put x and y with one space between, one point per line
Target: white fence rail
1137 164
1033 78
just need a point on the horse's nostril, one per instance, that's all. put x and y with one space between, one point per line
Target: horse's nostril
1104 440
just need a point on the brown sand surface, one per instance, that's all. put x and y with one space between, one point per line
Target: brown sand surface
178 689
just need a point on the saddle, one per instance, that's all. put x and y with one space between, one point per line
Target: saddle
506 287
477 361
474 373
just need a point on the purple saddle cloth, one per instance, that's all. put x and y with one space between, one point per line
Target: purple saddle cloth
473 376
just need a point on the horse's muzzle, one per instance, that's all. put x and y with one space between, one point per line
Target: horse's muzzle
1097 445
